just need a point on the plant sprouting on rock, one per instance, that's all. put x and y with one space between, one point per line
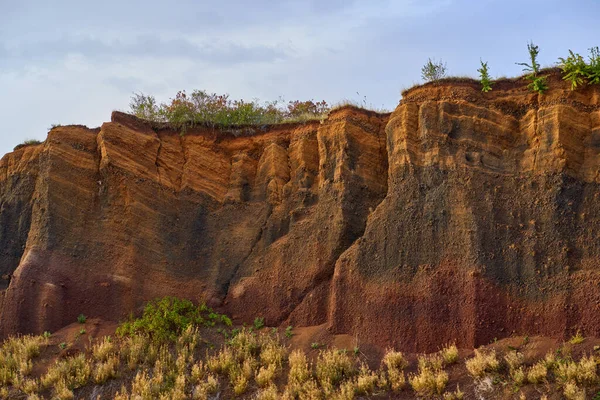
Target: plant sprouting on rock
486 82
538 83
573 68
534 67
593 70
433 71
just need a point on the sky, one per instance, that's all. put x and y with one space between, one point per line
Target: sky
74 62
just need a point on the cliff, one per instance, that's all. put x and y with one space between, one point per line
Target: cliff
462 216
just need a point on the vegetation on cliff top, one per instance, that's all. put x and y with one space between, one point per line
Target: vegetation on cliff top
200 107
575 69
170 353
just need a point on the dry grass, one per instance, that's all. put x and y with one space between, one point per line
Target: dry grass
583 372
537 373
482 363
257 365
106 370
265 375
332 367
269 393
104 349
456 395
394 362
394 359
518 376
429 382
450 354
72 372
577 339
366 381
16 355
514 360
573 392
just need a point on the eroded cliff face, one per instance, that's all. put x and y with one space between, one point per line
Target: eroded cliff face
459 217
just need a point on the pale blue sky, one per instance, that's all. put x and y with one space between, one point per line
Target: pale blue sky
67 61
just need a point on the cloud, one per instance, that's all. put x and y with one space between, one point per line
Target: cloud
216 53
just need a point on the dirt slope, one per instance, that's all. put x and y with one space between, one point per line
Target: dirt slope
460 216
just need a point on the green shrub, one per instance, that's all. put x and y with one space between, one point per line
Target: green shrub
288 332
144 107
165 319
259 323
433 71
574 69
593 70
81 318
486 82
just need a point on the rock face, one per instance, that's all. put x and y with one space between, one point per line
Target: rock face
462 216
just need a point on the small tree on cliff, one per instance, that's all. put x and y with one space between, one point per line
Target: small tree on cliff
433 71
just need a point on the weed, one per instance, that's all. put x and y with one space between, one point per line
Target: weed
106 370
537 373
573 392
316 345
72 372
62 345
593 70
265 375
366 380
518 376
534 67
269 393
395 362
299 372
432 361
259 323
81 318
538 83
456 395
574 69
394 359
482 363
433 71
514 359
484 77
429 382
288 332
577 339
332 367
450 354
103 350
582 372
